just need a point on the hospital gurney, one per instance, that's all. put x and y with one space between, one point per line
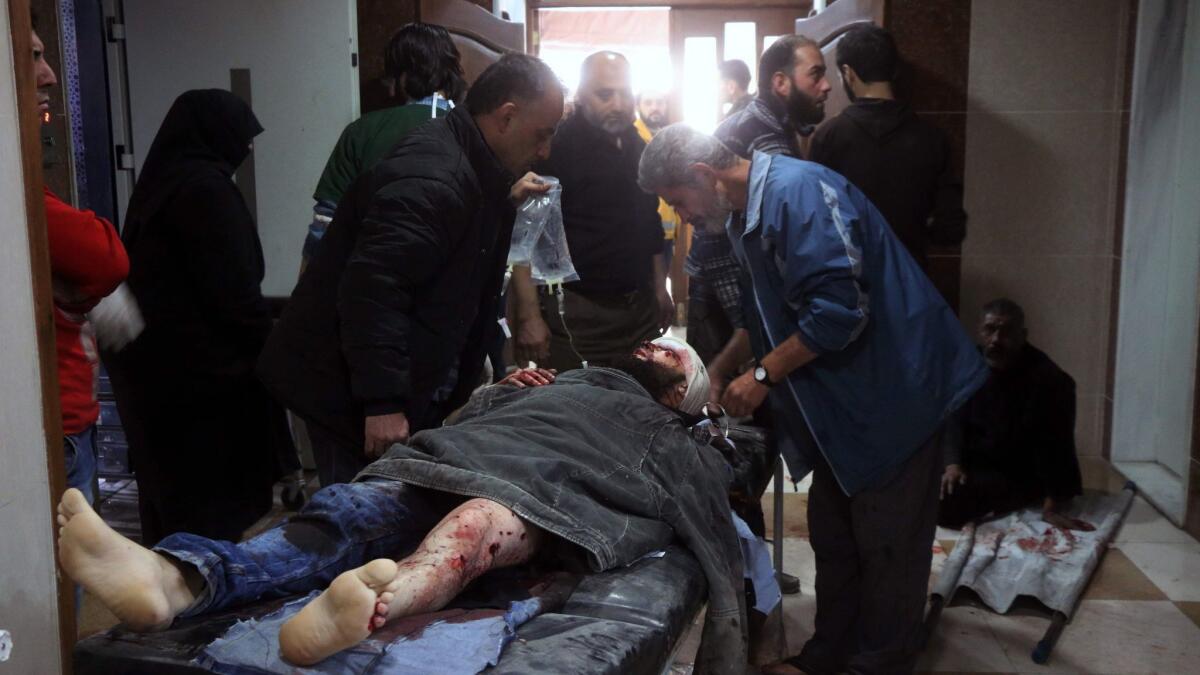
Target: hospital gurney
627 620
1020 555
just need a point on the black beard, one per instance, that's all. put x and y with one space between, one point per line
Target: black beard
849 92
803 110
657 379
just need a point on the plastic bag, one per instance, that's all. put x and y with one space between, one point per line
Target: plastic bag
539 239
531 220
117 319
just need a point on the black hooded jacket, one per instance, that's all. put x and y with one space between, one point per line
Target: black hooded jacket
196 262
903 166
204 437
396 310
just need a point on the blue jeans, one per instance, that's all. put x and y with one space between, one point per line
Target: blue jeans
343 527
80 452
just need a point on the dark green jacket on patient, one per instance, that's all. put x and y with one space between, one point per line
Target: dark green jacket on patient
593 459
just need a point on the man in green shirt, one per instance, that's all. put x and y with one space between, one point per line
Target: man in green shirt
423 64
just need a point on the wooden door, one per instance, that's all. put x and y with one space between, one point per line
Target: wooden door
481 37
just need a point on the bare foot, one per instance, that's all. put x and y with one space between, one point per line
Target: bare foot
355 604
143 589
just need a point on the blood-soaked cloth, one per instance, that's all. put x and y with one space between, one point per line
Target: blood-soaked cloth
1021 554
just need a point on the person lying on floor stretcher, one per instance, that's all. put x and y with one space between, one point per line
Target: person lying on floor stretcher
597 468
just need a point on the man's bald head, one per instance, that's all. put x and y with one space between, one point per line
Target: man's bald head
605 97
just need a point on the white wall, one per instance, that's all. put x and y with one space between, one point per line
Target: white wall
304 92
1160 264
28 594
516 9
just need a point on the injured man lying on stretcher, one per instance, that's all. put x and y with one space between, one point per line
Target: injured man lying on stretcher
597 470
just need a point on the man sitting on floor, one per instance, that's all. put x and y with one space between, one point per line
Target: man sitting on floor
1017 441
598 469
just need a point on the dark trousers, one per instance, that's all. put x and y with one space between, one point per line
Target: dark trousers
337 461
873 554
986 491
597 327
709 329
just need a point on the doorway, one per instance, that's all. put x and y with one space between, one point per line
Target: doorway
1154 393
256 50
671 49
702 38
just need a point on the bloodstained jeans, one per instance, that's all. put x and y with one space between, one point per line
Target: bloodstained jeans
343 527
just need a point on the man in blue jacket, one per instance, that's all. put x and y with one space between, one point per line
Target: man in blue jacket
861 361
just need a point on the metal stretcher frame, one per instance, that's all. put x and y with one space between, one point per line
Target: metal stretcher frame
947 585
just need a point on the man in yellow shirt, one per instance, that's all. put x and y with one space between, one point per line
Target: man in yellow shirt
652 109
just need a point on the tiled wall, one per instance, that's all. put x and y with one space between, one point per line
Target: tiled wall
1044 127
934 38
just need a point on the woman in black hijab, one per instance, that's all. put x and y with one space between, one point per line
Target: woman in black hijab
204 436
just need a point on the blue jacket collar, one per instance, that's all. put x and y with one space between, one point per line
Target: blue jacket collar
760 164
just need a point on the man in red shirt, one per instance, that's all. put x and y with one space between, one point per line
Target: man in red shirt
87 262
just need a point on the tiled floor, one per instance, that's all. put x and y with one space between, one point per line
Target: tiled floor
1140 614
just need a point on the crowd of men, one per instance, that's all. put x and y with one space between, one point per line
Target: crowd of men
809 310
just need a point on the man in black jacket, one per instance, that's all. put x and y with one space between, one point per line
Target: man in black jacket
386 332
899 161
1014 440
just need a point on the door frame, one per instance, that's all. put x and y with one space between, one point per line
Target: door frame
43 304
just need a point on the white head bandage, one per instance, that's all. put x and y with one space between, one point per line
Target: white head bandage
694 372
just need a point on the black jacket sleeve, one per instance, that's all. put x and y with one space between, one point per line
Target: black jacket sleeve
819 146
404 240
1052 428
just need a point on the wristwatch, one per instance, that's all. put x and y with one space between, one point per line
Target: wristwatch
761 376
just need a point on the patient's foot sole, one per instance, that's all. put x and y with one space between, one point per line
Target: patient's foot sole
341 617
142 588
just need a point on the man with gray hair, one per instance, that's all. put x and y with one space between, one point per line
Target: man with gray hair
861 362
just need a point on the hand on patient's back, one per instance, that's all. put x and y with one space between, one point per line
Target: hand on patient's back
529 377
952 477
384 430
1066 522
